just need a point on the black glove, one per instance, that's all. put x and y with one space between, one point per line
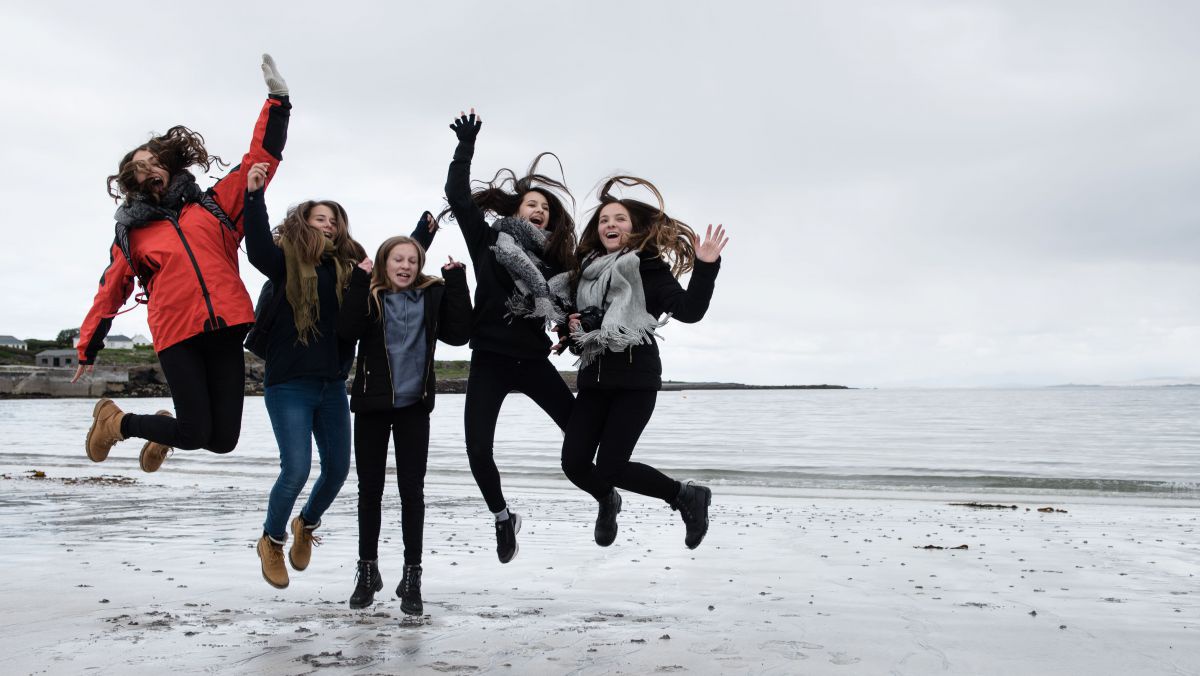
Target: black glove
466 128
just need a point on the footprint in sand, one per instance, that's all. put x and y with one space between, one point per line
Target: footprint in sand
842 659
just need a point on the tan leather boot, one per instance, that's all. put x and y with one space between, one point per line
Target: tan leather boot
273 569
153 453
105 430
303 540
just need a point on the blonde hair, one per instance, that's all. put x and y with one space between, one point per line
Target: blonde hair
380 283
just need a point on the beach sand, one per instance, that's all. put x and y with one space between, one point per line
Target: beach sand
150 574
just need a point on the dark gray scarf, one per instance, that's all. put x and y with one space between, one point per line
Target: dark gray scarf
518 249
139 211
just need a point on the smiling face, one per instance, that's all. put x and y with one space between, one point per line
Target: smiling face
614 226
149 173
403 265
322 218
535 208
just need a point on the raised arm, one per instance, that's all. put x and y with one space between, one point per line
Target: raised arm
261 249
266 144
688 305
454 325
458 185
426 228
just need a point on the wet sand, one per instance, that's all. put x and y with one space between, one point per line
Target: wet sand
145 574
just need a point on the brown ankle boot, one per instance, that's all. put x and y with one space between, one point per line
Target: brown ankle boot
303 540
105 430
154 453
271 554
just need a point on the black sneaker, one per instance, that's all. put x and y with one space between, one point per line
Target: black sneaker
692 503
606 520
409 591
366 583
506 537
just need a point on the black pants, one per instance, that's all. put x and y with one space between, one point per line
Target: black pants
409 428
207 377
492 377
606 425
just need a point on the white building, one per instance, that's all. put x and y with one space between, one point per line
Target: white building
141 341
118 342
13 343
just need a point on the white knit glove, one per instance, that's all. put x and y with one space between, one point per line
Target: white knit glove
276 85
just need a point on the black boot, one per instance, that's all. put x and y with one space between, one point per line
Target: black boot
606 520
692 503
366 583
506 537
409 591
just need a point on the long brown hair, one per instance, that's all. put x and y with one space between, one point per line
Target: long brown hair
652 229
176 150
380 283
503 196
310 242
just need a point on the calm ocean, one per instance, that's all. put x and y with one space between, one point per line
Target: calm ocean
1106 441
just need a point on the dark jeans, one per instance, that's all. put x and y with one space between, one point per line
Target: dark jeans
492 377
606 425
302 409
409 429
207 375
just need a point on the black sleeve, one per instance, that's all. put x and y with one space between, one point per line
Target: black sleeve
353 319
260 246
422 234
471 221
455 320
664 294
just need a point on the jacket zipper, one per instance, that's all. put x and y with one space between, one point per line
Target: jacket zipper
212 315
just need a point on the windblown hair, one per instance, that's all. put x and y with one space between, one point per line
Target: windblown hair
310 242
176 150
652 229
503 196
381 283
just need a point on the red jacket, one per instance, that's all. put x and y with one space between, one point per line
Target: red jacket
190 262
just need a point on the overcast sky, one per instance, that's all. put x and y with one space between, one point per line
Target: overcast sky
917 193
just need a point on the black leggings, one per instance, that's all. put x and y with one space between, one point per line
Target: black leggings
207 377
409 428
606 425
492 377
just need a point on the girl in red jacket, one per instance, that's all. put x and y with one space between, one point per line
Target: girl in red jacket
181 243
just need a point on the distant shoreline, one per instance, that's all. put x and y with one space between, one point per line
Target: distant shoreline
146 380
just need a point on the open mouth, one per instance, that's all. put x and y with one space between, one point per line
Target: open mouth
612 236
538 220
403 278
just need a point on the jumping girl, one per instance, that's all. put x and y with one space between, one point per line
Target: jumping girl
397 313
181 242
630 256
521 286
309 261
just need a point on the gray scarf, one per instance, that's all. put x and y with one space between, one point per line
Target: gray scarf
613 283
518 249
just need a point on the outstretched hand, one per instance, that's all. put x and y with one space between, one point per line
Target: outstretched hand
366 264
256 178
466 127
429 222
276 85
710 249
83 368
452 265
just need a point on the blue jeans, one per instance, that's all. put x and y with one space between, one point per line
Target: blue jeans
301 410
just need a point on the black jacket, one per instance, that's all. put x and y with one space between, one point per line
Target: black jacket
325 356
447 318
490 330
286 359
639 367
